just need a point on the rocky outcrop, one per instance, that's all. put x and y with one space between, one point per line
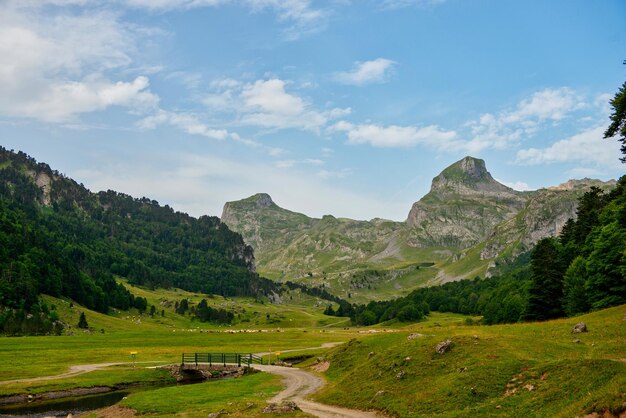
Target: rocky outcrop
464 204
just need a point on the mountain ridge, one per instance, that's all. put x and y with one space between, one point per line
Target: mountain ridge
467 221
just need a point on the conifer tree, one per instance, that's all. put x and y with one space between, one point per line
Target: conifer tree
82 321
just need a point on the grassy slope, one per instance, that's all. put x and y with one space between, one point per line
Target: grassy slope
297 325
567 378
244 397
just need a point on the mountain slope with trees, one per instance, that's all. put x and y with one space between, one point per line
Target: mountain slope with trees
58 238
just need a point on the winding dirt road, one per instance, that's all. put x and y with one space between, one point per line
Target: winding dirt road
74 371
299 384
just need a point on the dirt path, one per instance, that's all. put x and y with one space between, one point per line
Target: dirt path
299 384
74 371
325 345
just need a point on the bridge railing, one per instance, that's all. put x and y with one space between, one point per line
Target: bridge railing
221 358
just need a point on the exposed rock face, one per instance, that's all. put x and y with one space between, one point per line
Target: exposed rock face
467 213
464 204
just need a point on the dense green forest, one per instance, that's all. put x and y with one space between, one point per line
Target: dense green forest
583 269
58 238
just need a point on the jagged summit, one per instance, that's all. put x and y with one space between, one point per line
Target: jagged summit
466 175
464 203
262 200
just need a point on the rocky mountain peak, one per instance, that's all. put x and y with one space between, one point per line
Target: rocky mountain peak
262 200
468 173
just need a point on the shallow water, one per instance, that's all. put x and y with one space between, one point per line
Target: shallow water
63 407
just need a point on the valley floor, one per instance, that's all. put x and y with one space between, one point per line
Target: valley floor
530 369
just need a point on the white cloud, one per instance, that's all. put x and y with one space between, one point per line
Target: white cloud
187 123
268 104
516 185
299 14
269 96
587 147
510 127
295 163
399 4
339 174
374 71
54 66
396 136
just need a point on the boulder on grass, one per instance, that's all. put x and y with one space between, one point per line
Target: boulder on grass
580 327
443 347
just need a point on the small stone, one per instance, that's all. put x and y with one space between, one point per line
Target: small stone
462 369
576 341
407 359
283 407
379 393
475 336
443 347
213 415
414 336
580 327
498 406
400 375
370 355
529 387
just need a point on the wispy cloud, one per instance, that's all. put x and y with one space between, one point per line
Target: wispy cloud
400 4
587 147
374 71
509 127
186 122
394 136
299 16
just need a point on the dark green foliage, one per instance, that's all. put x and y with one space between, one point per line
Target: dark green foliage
141 304
329 310
71 242
575 298
546 283
319 292
205 313
618 119
38 320
182 307
82 321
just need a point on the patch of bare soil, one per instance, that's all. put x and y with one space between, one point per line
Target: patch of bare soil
321 367
114 411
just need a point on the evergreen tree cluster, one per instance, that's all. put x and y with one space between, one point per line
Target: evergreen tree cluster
67 241
585 267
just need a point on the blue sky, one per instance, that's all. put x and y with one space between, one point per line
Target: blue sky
337 106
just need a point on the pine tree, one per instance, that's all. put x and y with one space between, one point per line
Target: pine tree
546 285
575 299
82 321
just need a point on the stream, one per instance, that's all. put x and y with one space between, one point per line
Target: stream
64 406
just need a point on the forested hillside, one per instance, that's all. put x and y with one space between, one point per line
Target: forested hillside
58 238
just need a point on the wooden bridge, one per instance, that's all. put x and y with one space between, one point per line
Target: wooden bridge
221 358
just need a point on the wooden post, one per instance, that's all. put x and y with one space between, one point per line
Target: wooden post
196 358
224 359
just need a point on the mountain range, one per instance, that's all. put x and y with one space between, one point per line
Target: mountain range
467 225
